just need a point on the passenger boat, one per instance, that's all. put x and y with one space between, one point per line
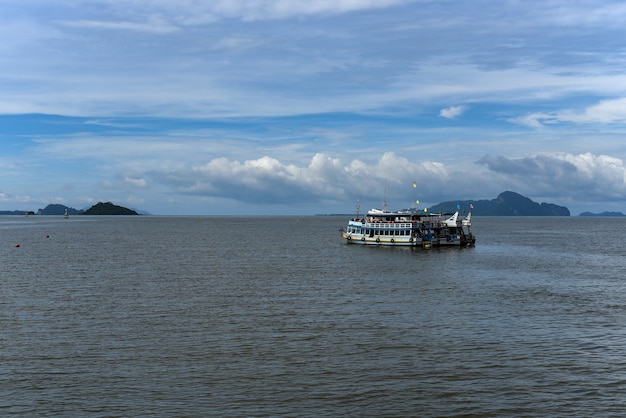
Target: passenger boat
410 227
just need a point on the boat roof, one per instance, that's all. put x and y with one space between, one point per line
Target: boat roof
405 212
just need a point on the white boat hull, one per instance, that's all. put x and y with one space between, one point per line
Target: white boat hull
403 241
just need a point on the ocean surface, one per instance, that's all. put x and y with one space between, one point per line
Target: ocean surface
277 316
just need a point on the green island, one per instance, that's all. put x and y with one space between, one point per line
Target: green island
101 208
506 204
108 208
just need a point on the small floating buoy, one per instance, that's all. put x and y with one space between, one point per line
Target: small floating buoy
17 245
47 236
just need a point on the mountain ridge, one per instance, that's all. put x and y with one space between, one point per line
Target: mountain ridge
55 209
507 203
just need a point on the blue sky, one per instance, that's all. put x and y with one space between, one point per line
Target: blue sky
214 107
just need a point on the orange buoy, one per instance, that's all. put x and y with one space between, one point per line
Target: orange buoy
17 245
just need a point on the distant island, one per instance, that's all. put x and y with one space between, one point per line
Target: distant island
506 204
602 214
56 209
108 208
16 212
100 208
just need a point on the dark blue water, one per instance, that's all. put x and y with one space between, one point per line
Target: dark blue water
209 316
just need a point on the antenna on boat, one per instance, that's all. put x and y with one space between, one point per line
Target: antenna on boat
385 198
358 206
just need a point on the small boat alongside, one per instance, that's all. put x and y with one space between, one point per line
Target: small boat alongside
410 227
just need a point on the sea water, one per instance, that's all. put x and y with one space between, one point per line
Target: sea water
277 316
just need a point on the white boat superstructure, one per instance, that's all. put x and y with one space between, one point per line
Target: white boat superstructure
409 228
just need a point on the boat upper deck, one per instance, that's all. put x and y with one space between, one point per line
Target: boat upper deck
382 224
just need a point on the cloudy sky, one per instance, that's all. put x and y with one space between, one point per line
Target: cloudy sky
202 107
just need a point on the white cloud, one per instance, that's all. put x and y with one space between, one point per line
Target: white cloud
200 64
609 111
605 111
273 9
157 26
193 12
452 112
280 9
586 177
612 14
135 182
324 179
533 120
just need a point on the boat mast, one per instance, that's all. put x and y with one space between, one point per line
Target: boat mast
385 198
416 201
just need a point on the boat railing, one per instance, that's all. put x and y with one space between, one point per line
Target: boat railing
388 225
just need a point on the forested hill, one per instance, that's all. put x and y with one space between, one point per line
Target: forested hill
108 208
506 204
